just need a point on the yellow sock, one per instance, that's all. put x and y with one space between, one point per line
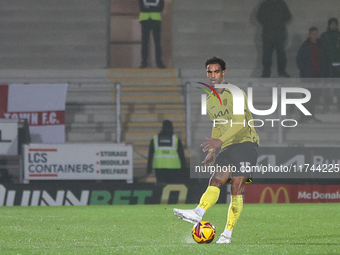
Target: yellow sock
209 197
234 211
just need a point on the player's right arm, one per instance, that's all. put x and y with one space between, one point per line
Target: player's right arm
215 133
210 158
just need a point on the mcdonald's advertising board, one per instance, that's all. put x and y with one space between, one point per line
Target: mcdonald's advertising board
289 193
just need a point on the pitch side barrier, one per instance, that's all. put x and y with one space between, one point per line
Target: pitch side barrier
87 193
81 193
288 193
282 162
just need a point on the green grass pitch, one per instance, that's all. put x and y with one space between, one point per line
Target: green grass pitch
153 229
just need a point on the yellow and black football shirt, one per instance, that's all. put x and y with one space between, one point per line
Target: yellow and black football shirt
236 128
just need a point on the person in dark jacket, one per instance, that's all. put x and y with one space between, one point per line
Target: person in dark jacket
151 20
166 156
330 40
273 15
311 58
312 63
331 43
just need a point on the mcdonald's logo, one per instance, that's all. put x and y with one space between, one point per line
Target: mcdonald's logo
274 196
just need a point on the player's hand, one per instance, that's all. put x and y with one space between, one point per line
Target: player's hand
212 143
209 159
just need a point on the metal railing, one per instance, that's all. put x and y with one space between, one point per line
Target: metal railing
118 113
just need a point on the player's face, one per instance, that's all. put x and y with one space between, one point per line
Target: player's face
215 74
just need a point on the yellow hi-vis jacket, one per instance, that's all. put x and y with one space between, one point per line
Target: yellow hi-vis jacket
166 156
150 15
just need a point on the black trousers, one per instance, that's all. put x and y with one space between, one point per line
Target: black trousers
268 48
155 27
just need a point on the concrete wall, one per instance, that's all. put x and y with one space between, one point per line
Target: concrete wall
53 34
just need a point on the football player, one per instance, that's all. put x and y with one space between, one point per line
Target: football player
238 143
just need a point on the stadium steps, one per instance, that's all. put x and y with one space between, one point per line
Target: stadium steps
149 96
90 111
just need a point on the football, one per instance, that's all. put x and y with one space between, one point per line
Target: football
203 232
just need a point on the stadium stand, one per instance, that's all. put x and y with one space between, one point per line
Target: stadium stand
229 30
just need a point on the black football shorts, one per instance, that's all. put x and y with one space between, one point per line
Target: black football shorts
239 158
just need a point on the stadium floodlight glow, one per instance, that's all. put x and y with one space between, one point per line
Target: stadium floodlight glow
238 100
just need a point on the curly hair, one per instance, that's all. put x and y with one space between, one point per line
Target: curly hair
216 60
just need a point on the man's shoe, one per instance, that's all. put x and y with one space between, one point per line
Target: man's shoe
224 239
187 215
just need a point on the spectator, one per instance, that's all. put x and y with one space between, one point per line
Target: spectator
331 43
166 155
311 61
273 15
150 19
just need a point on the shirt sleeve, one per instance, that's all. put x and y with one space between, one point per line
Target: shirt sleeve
216 131
238 122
